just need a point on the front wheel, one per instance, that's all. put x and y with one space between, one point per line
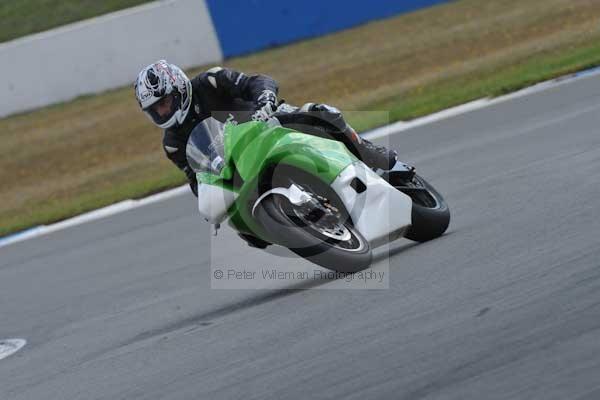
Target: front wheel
333 243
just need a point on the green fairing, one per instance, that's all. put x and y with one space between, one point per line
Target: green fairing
253 146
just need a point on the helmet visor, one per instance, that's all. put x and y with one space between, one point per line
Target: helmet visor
162 111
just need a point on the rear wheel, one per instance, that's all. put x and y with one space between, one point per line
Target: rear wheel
430 212
321 234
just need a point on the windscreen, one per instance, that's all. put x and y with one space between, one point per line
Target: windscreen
205 149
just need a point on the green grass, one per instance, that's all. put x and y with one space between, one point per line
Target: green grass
57 210
23 17
485 83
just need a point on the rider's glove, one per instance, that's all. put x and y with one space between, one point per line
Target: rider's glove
267 103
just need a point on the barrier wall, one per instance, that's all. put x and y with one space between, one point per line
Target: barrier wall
245 26
103 53
108 51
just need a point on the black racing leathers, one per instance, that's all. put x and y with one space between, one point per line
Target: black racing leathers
217 92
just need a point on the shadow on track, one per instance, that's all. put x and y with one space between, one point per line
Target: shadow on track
204 319
380 255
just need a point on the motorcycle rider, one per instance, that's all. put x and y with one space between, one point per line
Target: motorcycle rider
177 104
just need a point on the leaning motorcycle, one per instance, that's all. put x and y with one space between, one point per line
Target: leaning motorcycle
308 193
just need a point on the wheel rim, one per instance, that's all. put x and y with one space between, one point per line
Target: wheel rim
337 234
335 231
420 194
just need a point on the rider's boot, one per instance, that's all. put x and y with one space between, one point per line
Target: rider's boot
376 157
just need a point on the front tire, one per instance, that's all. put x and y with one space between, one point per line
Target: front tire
340 248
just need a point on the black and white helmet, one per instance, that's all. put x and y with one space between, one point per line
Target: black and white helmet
164 93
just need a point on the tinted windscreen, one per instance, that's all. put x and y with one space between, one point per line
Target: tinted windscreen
204 151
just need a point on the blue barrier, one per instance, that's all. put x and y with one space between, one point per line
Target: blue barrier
244 26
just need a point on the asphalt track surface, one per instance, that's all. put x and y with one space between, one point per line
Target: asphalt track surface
504 306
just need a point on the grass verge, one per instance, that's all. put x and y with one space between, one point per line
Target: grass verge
428 99
74 157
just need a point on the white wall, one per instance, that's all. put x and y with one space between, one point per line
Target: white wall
103 53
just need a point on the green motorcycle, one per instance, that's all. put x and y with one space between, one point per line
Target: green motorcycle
308 193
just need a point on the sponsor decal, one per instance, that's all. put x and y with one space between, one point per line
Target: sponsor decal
231 120
145 95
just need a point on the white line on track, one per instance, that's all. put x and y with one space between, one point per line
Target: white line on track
9 347
92 216
387 130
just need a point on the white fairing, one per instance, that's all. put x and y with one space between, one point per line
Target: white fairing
214 201
380 213
294 194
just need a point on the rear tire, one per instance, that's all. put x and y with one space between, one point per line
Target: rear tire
430 212
351 255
